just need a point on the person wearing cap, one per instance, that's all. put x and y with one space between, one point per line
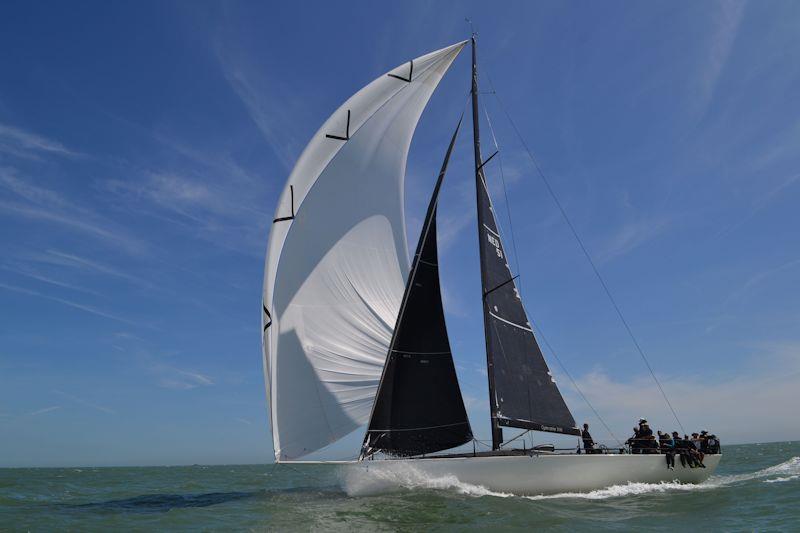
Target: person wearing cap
647 440
704 442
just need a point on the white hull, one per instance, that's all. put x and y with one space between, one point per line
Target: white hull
525 475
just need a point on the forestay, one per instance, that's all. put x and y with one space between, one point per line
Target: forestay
337 261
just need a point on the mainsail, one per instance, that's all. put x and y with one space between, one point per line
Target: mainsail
522 391
419 408
337 261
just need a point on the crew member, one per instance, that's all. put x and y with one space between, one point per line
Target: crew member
586 437
667 445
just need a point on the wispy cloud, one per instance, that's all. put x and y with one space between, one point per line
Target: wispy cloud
170 377
274 108
450 227
57 257
224 216
45 410
631 235
760 203
192 198
757 279
223 165
724 28
46 279
47 205
70 303
20 142
86 403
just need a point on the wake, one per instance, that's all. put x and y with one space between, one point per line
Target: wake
405 477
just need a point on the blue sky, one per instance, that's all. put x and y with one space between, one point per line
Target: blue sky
143 146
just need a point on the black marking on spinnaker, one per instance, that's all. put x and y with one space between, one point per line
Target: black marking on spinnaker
347 131
410 72
291 195
269 317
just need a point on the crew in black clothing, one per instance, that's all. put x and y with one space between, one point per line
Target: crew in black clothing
704 442
691 450
647 441
634 441
681 449
713 444
588 443
642 440
694 453
667 445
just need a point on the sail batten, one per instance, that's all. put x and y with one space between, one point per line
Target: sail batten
337 259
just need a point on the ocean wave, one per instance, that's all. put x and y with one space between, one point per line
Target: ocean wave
781 479
790 467
401 476
358 482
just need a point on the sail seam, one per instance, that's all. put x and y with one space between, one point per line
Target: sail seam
419 428
421 353
491 230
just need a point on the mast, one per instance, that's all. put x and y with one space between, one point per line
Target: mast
497 432
522 391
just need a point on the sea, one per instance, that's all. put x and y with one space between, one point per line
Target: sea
756 488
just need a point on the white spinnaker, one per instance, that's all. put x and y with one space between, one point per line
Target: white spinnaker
336 266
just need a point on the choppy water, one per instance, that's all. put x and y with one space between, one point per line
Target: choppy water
757 487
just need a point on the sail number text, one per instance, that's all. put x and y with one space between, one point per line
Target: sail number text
494 241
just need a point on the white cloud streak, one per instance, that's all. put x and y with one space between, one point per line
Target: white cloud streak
70 303
45 279
19 142
169 377
631 235
724 28
45 410
47 205
86 403
59 258
271 106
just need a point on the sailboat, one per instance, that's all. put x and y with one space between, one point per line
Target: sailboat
354 334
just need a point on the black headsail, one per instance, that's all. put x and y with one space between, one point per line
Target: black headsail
522 392
419 408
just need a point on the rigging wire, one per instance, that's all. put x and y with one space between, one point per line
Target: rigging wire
516 260
524 432
572 380
585 253
505 191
